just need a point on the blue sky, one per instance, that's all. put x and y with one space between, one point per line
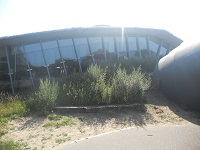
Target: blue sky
25 16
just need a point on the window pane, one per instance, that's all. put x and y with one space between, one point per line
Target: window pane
95 44
132 43
35 58
109 48
53 60
163 52
69 56
19 69
153 48
96 48
121 46
142 43
83 52
5 84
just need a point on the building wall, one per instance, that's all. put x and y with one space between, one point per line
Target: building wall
23 64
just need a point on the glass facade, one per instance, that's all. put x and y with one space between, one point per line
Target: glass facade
24 64
132 44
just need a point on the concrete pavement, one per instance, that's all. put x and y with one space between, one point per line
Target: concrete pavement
170 137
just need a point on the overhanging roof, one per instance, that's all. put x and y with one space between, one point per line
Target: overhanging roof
91 32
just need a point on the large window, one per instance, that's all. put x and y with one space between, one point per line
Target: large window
83 52
52 57
153 48
163 52
69 55
121 46
109 48
97 48
142 43
132 44
20 73
35 58
4 73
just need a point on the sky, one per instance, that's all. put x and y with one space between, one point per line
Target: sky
179 17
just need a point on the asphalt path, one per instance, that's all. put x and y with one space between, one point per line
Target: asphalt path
167 137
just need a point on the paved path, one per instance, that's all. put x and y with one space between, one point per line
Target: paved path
175 137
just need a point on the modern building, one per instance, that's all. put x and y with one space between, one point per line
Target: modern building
26 58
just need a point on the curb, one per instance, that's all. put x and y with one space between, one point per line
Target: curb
95 109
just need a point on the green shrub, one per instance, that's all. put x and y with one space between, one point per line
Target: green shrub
87 88
95 88
11 107
44 100
129 88
10 145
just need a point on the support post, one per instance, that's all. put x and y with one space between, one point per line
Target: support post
127 46
90 50
44 59
147 42
9 69
76 55
103 46
159 47
29 69
61 56
116 50
138 48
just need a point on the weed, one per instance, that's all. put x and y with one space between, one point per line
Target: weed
11 107
81 118
10 145
45 138
59 141
65 121
54 117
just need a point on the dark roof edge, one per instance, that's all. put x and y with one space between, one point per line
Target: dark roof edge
157 32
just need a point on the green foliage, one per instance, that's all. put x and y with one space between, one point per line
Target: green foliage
86 88
10 145
11 107
95 87
44 100
58 121
60 140
54 117
129 88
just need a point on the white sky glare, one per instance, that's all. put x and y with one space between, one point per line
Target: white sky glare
26 16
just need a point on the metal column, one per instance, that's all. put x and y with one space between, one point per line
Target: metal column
10 74
103 46
44 58
116 51
77 55
138 48
127 46
29 70
147 42
61 56
90 50
159 47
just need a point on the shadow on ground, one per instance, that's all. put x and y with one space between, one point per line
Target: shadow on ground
32 122
159 99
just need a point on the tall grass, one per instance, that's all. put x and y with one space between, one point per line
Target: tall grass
95 87
11 107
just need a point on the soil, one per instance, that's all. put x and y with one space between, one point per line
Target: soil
157 111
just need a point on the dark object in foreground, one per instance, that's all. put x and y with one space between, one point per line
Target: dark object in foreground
179 75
